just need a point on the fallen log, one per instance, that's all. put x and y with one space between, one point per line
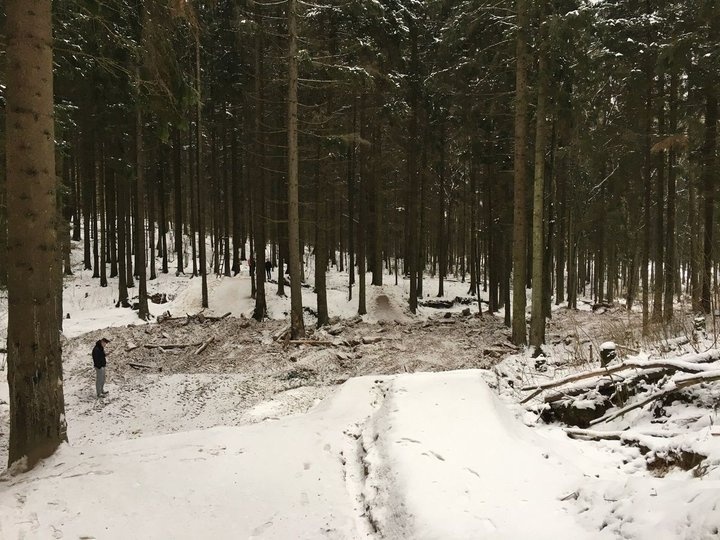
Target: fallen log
205 345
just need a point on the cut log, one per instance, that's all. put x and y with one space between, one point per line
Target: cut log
205 345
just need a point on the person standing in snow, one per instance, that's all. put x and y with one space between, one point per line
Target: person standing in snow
99 362
268 269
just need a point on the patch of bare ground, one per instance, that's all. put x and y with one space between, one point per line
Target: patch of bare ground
328 356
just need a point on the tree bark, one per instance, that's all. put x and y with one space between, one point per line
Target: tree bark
297 326
709 148
519 329
537 317
199 176
37 410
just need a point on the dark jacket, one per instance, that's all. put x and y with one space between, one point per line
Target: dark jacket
98 355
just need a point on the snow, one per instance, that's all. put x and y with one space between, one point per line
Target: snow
302 476
256 440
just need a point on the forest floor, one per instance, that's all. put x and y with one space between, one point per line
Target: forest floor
391 426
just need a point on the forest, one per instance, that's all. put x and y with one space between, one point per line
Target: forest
567 147
540 154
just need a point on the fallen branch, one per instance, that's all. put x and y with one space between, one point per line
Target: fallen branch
674 386
309 342
205 345
143 366
220 318
592 435
169 345
280 334
693 364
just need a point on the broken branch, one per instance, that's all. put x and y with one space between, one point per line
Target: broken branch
205 345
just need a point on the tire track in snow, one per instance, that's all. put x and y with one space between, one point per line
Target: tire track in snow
356 467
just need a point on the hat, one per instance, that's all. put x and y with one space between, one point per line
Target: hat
106 340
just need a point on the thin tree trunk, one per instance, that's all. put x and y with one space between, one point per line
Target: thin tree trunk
708 175
102 215
670 263
537 317
658 282
297 326
258 184
199 177
519 330
143 310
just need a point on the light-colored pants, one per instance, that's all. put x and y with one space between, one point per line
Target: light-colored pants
99 380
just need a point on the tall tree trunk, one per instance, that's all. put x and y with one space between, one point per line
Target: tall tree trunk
102 214
519 329
140 248
37 409
237 200
321 247
258 184
670 229
122 238
162 217
378 205
411 254
297 326
227 223
151 218
647 207
178 202
709 173
199 176
351 202
442 247
537 317
362 209
659 283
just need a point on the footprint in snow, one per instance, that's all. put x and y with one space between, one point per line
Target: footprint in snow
433 454
407 439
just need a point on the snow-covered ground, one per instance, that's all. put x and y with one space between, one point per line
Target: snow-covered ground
404 427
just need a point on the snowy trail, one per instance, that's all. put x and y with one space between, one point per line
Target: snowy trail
380 458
